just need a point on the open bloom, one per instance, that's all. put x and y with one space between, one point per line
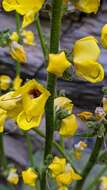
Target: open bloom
57 166
5 82
68 176
85 55
26 104
27 37
104 36
13 177
34 97
64 176
26 8
29 177
58 63
17 52
87 6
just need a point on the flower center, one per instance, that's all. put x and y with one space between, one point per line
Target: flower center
34 93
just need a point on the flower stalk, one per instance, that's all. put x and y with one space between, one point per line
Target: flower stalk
51 78
3 162
42 39
30 151
18 32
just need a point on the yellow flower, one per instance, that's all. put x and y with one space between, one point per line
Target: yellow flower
68 176
14 37
57 166
9 5
64 103
104 36
17 82
105 104
87 6
3 116
85 55
17 52
58 63
13 113
34 97
69 126
13 177
27 8
63 173
85 115
62 188
28 18
103 185
5 82
28 37
86 49
29 177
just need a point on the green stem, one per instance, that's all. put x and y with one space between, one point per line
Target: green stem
30 150
42 39
50 115
64 154
62 142
3 162
91 162
96 180
17 68
18 23
57 146
18 32
51 82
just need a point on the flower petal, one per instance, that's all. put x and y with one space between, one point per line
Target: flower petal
90 71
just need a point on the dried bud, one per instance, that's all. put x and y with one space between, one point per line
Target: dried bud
100 113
